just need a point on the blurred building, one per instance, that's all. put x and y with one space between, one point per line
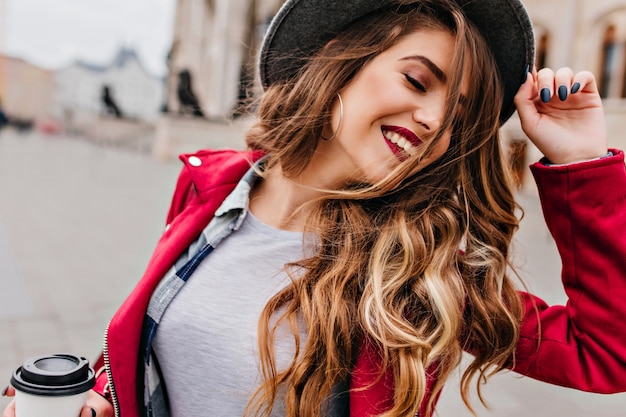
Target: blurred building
26 90
80 86
216 41
212 63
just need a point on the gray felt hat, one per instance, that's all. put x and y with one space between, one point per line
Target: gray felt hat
302 27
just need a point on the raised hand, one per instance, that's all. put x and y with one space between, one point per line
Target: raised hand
562 115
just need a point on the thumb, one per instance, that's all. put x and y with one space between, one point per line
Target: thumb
10 410
525 100
8 391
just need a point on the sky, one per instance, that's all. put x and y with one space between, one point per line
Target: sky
55 33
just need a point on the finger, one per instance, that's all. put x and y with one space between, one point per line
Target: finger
88 412
97 406
10 410
584 81
8 391
545 84
563 81
524 99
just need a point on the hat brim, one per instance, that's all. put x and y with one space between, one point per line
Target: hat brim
302 27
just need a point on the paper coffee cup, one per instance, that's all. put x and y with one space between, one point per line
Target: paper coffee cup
52 385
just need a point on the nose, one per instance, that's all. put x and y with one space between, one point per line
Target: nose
427 118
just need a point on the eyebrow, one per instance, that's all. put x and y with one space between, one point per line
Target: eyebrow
437 72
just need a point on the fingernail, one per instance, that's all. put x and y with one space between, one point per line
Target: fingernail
575 88
4 391
562 93
93 413
545 94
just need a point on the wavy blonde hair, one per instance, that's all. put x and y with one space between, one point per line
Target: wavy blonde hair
389 268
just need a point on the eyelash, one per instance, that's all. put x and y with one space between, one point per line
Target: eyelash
415 83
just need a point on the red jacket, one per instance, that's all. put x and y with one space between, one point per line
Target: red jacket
582 343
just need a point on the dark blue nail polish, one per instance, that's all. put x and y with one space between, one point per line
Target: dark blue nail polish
93 413
545 94
562 93
575 88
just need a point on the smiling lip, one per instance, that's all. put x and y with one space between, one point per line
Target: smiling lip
401 141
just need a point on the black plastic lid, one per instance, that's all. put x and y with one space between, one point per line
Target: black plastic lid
54 375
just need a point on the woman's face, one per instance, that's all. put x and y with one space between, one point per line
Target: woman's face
391 109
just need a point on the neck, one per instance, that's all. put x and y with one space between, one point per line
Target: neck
280 201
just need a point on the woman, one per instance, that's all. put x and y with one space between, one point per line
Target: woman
362 242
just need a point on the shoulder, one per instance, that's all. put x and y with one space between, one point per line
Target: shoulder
207 173
211 168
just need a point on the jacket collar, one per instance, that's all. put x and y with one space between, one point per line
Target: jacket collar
240 197
210 169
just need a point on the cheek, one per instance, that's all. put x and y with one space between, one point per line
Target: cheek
371 91
443 145
438 151
436 104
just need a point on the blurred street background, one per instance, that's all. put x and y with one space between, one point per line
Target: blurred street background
98 99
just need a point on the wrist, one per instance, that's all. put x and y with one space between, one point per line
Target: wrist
547 162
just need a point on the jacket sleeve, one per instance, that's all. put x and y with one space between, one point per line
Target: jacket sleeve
581 345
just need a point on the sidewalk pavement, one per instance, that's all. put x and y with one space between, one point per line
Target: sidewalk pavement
78 223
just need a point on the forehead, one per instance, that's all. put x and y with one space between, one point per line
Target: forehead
434 44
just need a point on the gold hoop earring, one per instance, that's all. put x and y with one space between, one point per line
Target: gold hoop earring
340 120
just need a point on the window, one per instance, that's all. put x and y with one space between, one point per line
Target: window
608 61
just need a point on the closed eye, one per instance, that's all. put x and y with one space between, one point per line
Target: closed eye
418 86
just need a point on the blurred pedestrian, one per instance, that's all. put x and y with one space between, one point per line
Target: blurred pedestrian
188 102
4 120
109 102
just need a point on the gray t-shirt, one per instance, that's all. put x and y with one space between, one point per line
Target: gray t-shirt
206 345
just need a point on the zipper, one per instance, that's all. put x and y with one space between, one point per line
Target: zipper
107 367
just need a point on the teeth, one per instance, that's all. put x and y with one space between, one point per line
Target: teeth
402 142
410 149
